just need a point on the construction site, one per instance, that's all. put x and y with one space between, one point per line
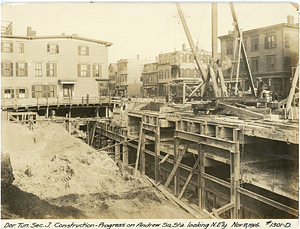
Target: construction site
203 151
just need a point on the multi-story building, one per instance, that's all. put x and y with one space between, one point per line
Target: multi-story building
112 74
129 77
149 76
272 52
177 67
53 67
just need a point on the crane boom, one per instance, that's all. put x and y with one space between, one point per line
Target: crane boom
243 50
192 44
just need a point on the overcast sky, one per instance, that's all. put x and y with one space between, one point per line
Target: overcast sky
144 29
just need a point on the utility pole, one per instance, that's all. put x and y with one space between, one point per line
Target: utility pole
214 25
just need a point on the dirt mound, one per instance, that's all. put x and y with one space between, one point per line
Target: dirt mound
62 171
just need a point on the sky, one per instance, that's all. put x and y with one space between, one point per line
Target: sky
144 29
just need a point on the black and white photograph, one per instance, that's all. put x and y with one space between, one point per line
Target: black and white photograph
144 113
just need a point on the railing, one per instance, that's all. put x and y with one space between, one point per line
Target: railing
55 101
6 27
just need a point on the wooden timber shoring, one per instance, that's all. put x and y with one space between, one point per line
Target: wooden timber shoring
177 162
219 139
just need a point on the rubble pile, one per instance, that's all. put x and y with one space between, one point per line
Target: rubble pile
59 170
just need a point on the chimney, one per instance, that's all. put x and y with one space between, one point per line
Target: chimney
29 31
183 47
290 20
138 57
63 34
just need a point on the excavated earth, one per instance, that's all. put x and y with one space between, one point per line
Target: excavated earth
47 173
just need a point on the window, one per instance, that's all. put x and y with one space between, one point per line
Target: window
160 74
51 69
242 66
7 69
83 70
8 93
97 70
43 91
6 46
52 48
38 69
21 69
254 64
245 43
188 73
271 42
22 93
229 48
83 50
21 47
287 40
254 44
287 63
271 63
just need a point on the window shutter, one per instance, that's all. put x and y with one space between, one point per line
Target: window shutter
94 70
47 69
11 69
11 47
57 48
26 67
33 91
88 70
78 70
55 69
12 93
48 48
87 51
79 50
100 70
17 93
26 93
1 46
275 41
55 90
2 69
17 69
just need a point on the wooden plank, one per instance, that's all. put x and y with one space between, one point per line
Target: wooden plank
164 159
225 208
139 149
216 213
157 151
176 164
93 134
189 178
197 214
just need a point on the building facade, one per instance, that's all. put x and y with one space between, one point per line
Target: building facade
149 78
129 77
176 67
112 74
61 66
272 52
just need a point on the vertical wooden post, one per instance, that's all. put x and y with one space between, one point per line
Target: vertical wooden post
157 151
97 112
47 112
125 154
235 176
201 179
117 153
69 122
183 93
143 156
177 173
87 133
